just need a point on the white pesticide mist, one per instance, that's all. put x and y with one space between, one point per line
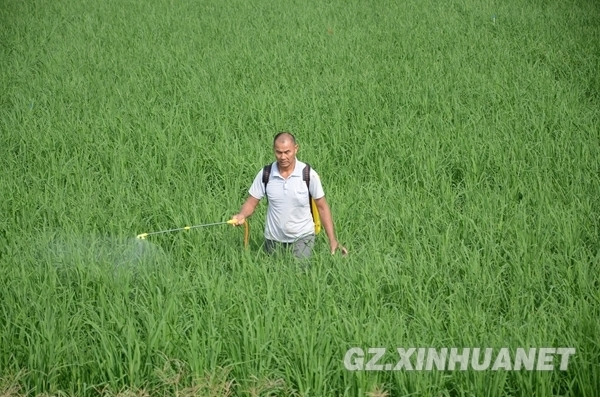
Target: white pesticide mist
129 254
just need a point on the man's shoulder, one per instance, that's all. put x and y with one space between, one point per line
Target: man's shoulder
268 168
313 172
301 165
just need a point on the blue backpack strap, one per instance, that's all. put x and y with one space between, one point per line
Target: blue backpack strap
306 178
266 175
313 207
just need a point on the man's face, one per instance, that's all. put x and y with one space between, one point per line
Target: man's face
285 152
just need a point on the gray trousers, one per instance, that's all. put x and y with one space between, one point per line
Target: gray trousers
301 248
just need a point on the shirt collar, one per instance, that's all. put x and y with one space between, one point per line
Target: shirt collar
297 169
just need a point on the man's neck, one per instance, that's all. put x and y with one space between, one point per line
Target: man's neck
285 172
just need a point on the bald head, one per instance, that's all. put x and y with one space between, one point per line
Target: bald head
285 148
284 137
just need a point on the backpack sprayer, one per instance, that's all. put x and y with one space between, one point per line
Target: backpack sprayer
231 222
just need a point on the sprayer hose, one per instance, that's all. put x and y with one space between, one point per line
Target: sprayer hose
246 233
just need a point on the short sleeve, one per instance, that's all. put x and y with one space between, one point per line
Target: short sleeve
316 188
257 189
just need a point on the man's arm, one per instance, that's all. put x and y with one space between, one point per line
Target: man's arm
247 210
255 194
327 221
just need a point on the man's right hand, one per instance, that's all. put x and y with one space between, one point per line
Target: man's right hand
240 219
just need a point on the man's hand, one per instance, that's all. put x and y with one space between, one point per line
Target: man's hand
247 209
239 218
335 245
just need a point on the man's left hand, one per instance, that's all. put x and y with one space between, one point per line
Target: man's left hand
335 246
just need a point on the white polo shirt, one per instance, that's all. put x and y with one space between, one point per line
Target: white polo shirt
288 213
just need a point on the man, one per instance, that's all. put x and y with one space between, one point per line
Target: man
289 220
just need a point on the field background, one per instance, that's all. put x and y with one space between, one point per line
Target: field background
458 143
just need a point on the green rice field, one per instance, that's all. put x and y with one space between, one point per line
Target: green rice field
458 144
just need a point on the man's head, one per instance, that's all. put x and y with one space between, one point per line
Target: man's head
285 148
